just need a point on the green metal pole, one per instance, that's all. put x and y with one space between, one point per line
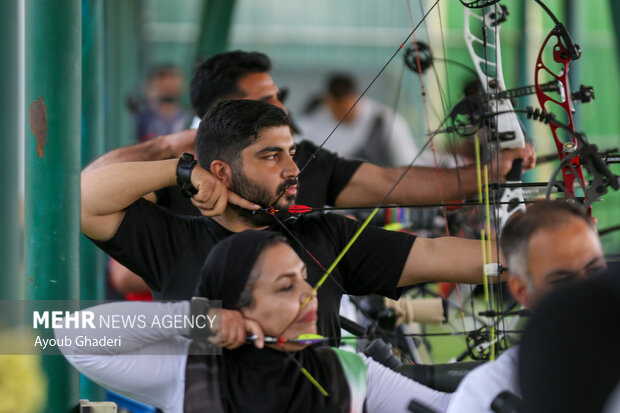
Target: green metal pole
214 28
92 275
92 280
614 7
122 59
52 192
9 129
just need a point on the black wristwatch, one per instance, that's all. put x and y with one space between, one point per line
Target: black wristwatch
184 173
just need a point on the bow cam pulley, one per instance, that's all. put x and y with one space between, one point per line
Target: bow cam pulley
420 53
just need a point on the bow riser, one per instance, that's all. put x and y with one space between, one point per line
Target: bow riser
562 56
486 55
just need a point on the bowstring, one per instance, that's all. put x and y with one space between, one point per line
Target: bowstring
313 156
329 270
428 124
498 284
368 87
486 234
426 113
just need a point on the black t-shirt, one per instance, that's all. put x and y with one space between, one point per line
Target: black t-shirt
319 184
168 250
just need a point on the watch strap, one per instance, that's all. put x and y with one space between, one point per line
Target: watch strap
184 173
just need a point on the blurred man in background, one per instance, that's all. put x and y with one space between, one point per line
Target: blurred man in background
163 113
372 131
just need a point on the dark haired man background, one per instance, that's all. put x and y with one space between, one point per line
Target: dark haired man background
329 179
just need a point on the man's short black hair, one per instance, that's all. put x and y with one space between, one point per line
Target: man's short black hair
216 78
233 125
340 85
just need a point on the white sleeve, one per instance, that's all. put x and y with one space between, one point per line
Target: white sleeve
389 391
150 365
471 396
402 146
479 388
195 123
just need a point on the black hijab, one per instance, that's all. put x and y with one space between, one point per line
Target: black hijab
251 379
229 264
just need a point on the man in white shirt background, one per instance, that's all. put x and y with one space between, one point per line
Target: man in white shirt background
373 131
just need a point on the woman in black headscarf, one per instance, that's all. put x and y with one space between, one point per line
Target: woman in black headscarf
259 274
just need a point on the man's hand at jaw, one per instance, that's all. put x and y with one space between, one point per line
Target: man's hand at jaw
213 195
107 191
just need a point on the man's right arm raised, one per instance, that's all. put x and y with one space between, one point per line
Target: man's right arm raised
107 191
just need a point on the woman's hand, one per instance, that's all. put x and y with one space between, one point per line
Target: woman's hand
236 329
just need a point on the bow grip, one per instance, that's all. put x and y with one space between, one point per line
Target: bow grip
516 171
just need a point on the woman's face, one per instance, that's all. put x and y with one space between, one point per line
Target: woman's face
279 293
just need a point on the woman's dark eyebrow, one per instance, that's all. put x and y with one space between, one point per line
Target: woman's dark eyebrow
290 274
285 275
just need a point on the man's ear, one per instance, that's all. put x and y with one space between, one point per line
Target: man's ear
222 171
520 290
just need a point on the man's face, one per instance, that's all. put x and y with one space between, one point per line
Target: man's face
569 252
260 86
167 86
266 169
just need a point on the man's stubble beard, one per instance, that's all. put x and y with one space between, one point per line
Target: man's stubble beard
254 192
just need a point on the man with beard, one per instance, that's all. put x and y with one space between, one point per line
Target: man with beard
246 147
